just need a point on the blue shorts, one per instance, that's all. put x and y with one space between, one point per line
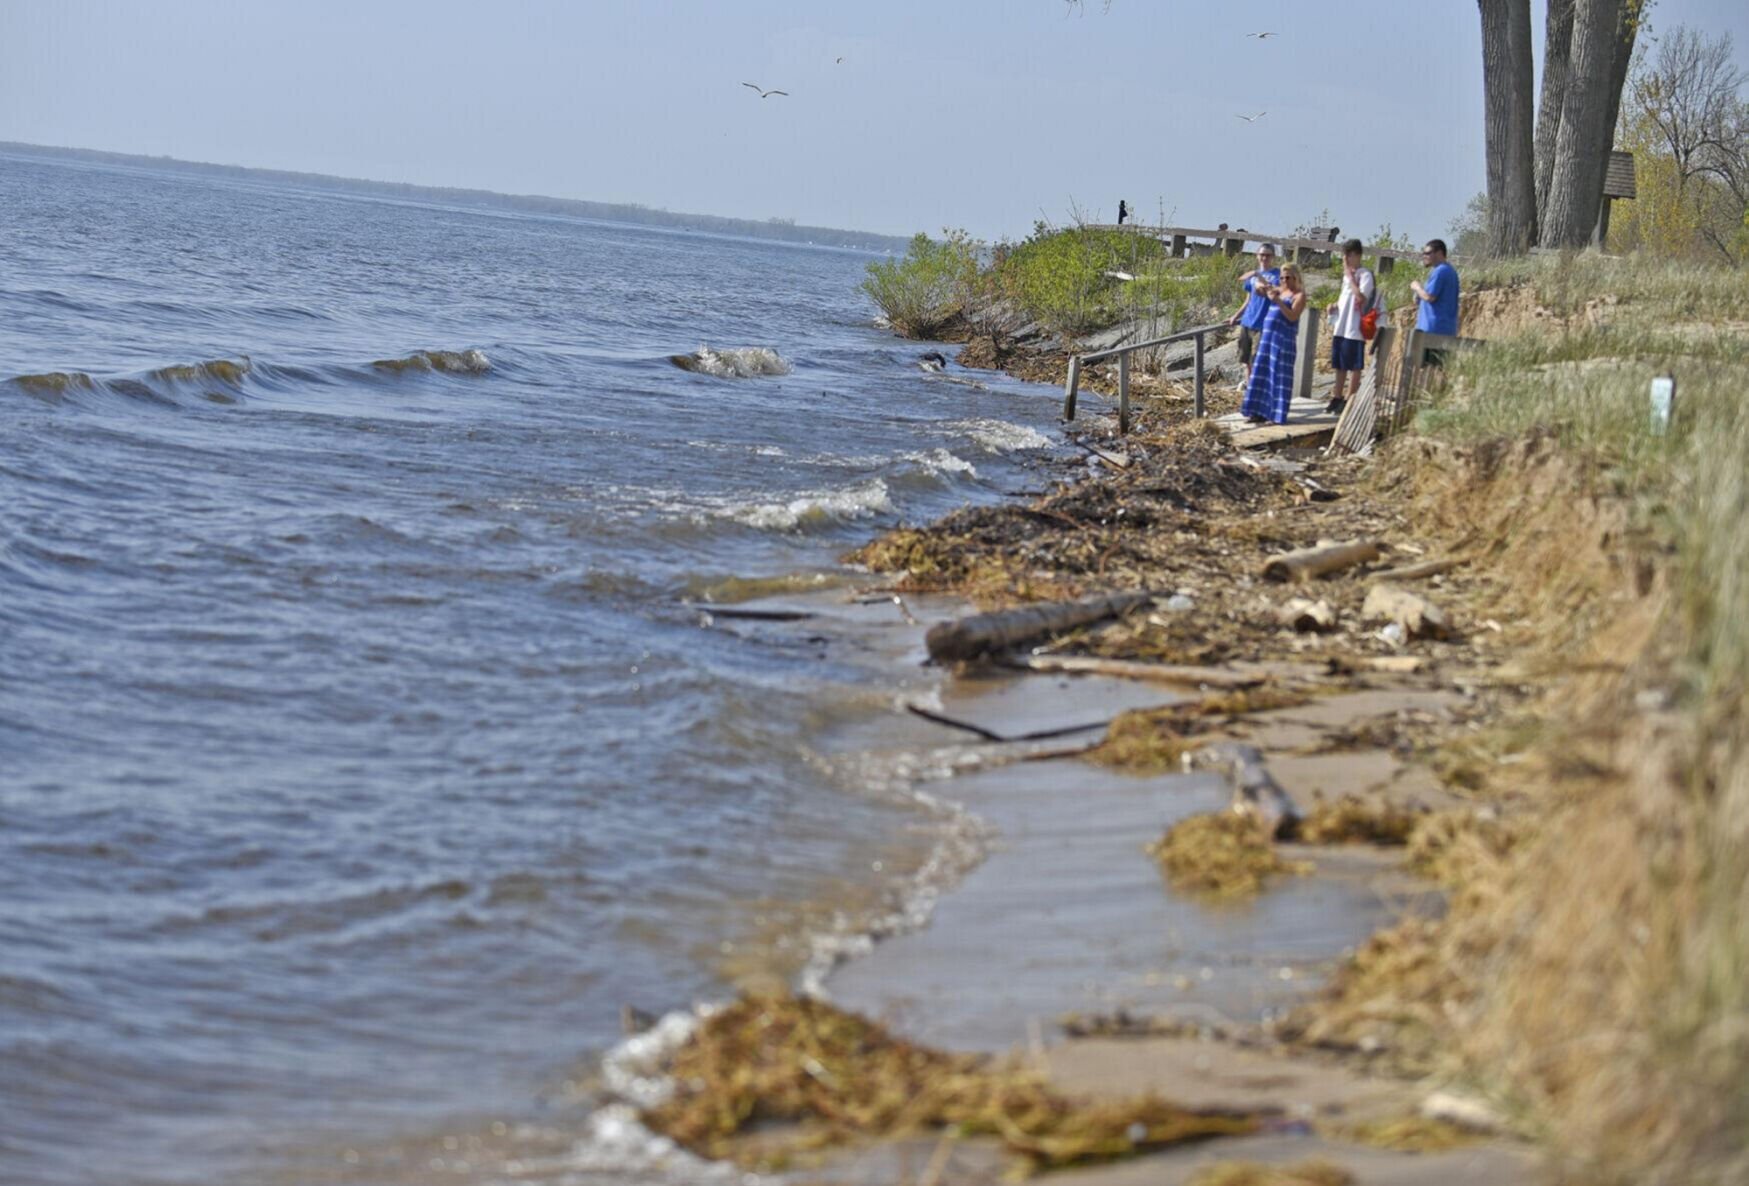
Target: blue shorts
1348 354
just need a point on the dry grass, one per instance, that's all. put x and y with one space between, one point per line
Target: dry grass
1411 1133
1593 972
771 1078
1257 1173
1221 854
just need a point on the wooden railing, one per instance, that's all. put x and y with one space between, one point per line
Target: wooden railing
1122 353
1231 241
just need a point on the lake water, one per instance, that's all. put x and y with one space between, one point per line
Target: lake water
360 755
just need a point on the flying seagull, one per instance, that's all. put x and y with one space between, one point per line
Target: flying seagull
839 62
766 94
1251 119
1261 36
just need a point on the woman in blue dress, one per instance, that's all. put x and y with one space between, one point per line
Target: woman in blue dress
1271 389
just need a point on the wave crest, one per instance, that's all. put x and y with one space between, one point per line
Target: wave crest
744 362
54 383
856 502
448 362
221 370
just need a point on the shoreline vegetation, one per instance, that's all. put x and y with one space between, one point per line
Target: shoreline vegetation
1569 750
784 230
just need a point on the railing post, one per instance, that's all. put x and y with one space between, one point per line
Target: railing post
1071 387
1196 406
1307 358
1123 393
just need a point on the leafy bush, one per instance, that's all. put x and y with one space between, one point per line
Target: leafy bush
1060 277
925 291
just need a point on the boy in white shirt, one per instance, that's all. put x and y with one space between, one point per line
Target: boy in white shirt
1347 346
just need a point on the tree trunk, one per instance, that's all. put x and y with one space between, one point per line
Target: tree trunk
1582 144
1506 87
1557 54
1627 30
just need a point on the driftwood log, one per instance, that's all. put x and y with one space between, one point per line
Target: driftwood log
1419 617
1427 568
1306 563
1164 673
1255 791
992 633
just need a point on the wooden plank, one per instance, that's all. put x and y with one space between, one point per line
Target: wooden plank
1307 360
1198 403
1175 674
1072 387
1360 418
1123 393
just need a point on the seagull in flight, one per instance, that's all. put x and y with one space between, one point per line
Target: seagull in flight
1251 119
1261 36
839 62
763 94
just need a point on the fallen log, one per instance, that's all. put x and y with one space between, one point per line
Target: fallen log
1418 617
973 727
1165 673
983 634
1306 563
1255 791
1427 568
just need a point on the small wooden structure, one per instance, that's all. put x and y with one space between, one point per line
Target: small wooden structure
1618 182
1072 387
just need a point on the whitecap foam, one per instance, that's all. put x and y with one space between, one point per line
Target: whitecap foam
999 436
743 362
942 461
854 502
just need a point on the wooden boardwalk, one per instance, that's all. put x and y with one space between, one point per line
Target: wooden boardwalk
1308 425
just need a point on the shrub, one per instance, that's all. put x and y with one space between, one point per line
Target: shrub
1060 276
922 293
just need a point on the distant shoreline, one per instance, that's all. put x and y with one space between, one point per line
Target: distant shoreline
623 212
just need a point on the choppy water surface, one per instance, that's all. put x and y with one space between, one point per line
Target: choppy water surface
358 757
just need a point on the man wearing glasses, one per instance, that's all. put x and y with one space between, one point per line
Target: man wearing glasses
1250 316
1436 303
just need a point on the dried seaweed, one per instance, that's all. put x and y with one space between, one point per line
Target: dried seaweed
1256 1173
773 1076
1222 854
1353 820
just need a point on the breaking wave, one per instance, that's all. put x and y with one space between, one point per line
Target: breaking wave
854 502
745 362
999 436
448 362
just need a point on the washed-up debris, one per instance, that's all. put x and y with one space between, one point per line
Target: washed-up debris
1427 568
1303 564
1307 616
1461 1112
1256 794
1418 617
768 1078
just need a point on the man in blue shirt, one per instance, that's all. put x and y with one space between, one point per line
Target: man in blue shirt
1437 303
1250 316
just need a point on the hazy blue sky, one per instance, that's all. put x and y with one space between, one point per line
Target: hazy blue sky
981 113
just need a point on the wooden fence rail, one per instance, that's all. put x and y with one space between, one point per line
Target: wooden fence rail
1072 388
